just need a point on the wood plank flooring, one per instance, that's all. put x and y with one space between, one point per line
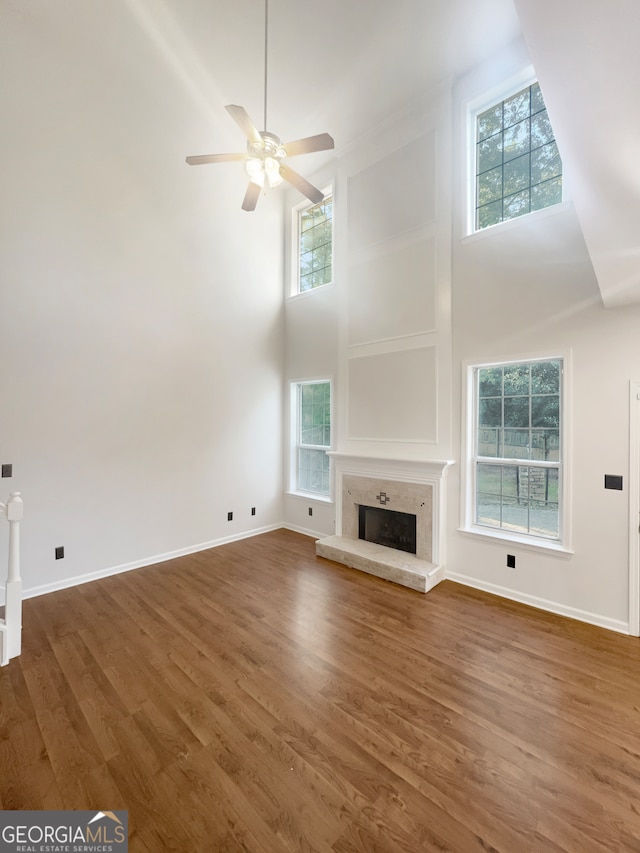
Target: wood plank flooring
256 698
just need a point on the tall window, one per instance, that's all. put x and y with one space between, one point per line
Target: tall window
315 245
518 167
517 463
313 437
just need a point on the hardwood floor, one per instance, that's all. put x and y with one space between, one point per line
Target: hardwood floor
257 698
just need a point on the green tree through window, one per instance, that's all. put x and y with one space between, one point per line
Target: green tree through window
518 167
314 437
315 248
517 447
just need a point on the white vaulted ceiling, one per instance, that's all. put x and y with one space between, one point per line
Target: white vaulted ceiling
587 60
342 66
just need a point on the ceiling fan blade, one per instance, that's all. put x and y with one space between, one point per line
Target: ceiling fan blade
321 142
251 196
200 159
241 118
301 184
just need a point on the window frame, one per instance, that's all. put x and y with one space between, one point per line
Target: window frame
473 108
296 219
561 545
295 438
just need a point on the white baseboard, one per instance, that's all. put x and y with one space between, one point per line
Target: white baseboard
619 626
542 603
44 589
305 531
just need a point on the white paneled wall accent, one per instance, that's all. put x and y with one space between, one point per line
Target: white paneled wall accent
394 195
392 294
395 309
393 396
381 331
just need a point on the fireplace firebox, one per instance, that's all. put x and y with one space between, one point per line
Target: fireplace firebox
387 527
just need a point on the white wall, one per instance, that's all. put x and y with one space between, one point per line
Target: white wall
528 287
141 309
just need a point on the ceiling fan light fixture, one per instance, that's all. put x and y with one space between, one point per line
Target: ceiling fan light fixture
272 169
264 170
255 170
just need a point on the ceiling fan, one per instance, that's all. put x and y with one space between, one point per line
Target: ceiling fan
265 152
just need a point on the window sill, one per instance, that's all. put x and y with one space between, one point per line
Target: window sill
533 216
311 496
526 542
305 294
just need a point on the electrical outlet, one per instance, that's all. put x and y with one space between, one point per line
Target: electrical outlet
7 470
60 552
229 516
310 510
611 481
253 510
511 561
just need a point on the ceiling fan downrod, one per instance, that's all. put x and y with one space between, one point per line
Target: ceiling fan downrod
266 48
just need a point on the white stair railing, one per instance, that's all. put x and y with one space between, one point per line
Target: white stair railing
11 625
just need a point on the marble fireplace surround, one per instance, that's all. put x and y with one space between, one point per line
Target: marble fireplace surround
416 487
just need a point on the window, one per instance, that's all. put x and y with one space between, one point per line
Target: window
315 245
517 164
516 458
312 405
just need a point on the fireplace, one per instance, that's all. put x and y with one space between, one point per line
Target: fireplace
373 494
387 527
388 501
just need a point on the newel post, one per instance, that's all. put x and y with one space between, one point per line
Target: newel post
13 599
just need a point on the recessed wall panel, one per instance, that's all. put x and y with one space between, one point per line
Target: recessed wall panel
394 195
392 396
393 295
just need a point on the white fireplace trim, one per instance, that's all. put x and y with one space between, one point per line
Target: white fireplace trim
432 473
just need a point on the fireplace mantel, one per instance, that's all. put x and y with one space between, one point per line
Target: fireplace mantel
405 470
412 486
